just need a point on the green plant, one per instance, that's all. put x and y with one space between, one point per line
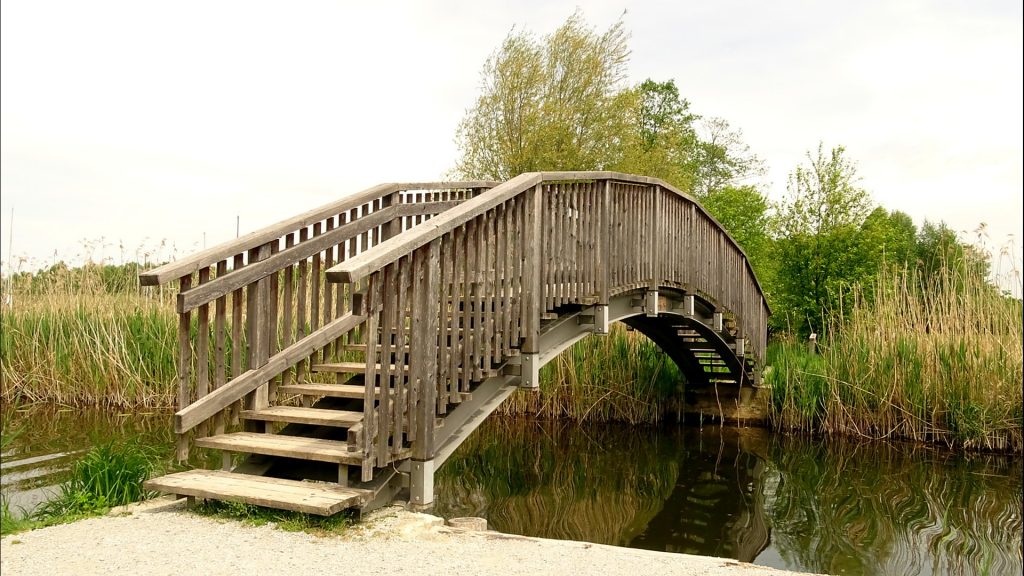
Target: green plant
110 474
284 519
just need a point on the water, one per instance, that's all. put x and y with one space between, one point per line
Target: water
839 507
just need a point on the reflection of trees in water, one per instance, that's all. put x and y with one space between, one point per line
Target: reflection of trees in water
600 484
842 507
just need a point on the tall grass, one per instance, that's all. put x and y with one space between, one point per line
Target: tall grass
930 359
88 348
110 474
622 376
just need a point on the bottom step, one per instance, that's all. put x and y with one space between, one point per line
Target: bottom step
309 497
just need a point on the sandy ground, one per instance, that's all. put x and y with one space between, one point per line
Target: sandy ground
160 537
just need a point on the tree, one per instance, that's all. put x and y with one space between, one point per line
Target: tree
721 158
546 105
744 212
819 255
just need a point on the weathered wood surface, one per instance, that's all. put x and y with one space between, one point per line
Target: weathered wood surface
310 498
421 292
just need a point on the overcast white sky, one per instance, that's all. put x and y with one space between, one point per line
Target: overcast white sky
139 122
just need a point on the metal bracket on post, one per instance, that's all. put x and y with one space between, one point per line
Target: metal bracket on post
601 319
530 371
716 322
651 305
741 347
688 305
421 482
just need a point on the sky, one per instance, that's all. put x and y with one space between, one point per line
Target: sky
145 130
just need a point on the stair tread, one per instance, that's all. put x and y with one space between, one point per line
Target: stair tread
286 446
346 367
312 498
302 415
323 389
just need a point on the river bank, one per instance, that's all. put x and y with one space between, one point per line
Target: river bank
160 537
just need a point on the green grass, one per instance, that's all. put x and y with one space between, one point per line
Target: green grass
108 475
285 520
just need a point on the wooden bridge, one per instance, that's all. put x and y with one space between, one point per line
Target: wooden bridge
355 346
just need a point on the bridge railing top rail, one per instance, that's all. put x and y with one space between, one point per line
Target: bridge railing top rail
395 248
254 240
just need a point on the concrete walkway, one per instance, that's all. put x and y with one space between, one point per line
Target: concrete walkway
159 537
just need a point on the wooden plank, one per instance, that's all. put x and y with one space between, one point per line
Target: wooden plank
351 367
425 331
258 238
284 446
248 381
403 417
406 243
184 367
370 422
532 289
203 351
389 318
302 415
219 331
308 497
237 298
329 390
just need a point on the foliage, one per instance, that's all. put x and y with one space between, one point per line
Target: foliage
818 251
110 474
923 356
545 104
745 213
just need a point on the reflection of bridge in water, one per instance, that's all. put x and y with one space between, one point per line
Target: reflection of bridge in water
716 507
362 342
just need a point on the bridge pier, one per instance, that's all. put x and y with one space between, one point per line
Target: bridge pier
421 482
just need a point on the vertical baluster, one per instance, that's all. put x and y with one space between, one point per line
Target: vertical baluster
370 414
202 352
458 298
403 415
237 344
184 365
288 327
443 394
219 374
328 308
423 367
389 317
300 310
468 300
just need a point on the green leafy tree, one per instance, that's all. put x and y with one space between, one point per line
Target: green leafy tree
548 104
819 252
744 212
939 250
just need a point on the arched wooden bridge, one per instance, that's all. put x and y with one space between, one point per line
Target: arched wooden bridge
359 343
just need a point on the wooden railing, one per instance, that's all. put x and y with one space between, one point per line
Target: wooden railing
456 297
272 311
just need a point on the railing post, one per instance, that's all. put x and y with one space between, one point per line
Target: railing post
605 247
654 253
184 366
392 227
423 368
533 290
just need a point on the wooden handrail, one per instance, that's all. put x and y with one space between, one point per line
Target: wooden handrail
210 256
391 250
207 406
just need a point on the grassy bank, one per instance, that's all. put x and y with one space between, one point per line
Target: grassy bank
932 360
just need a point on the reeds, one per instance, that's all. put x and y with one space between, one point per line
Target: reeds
622 376
929 359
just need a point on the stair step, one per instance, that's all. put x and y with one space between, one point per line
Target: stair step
330 390
301 415
312 498
347 367
286 446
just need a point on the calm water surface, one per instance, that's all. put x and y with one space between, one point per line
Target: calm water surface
838 507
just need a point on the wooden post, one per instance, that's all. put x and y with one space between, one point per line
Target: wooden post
533 291
423 369
604 247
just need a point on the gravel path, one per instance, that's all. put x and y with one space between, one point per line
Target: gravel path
159 537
